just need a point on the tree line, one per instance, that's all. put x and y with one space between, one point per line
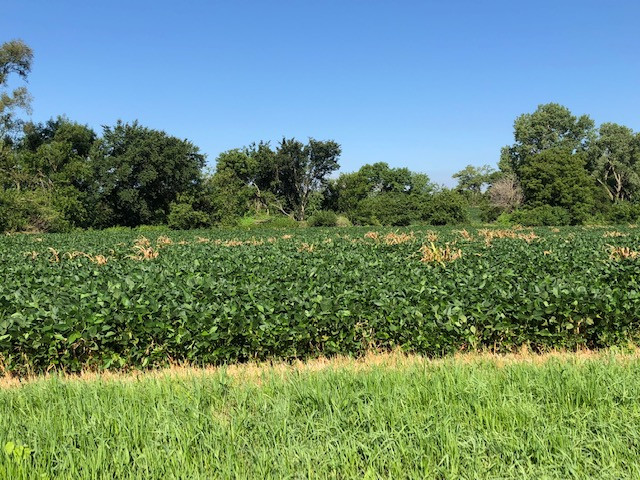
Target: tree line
60 174
560 169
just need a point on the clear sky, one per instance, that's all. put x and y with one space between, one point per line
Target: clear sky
431 85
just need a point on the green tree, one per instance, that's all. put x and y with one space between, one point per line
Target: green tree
472 179
232 194
139 172
300 170
57 153
614 159
349 189
15 58
48 171
557 177
550 126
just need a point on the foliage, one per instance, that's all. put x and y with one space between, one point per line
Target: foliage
304 169
446 207
396 209
551 126
401 209
472 179
541 215
557 178
33 211
127 298
343 221
182 216
325 218
349 189
287 180
623 212
15 58
140 171
614 159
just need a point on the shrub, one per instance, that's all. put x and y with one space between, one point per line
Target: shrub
182 216
623 212
323 218
281 222
545 215
396 209
30 211
343 221
266 221
447 207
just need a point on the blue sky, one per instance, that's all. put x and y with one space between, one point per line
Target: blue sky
431 85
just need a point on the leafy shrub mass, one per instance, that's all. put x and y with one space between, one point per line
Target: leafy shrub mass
623 212
323 219
130 299
182 216
544 215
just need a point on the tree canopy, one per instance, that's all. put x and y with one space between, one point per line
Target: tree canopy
15 58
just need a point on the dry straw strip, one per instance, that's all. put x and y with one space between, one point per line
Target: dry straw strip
395 360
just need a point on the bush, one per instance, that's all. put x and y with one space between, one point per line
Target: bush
545 215
343 221
30 211
323 218
623 212
182 216
445 208
400 209
504 220
266 221
490 212
395 209
281 222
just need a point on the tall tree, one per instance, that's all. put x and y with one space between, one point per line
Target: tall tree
557 177
139 172
473 179
550 126
349 189
301 170
15 58
614 159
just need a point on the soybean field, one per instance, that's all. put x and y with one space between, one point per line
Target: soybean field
125 299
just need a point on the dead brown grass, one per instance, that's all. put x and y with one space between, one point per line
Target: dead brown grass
431 236
142 241
465 234
163 241
143 253
613 234
434 254
622 253
306 247
391 238
394 360
492 234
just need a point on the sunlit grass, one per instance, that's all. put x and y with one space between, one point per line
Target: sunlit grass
384 416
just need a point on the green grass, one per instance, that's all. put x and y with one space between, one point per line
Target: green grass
566 417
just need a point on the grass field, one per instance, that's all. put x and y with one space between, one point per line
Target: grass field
383 416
